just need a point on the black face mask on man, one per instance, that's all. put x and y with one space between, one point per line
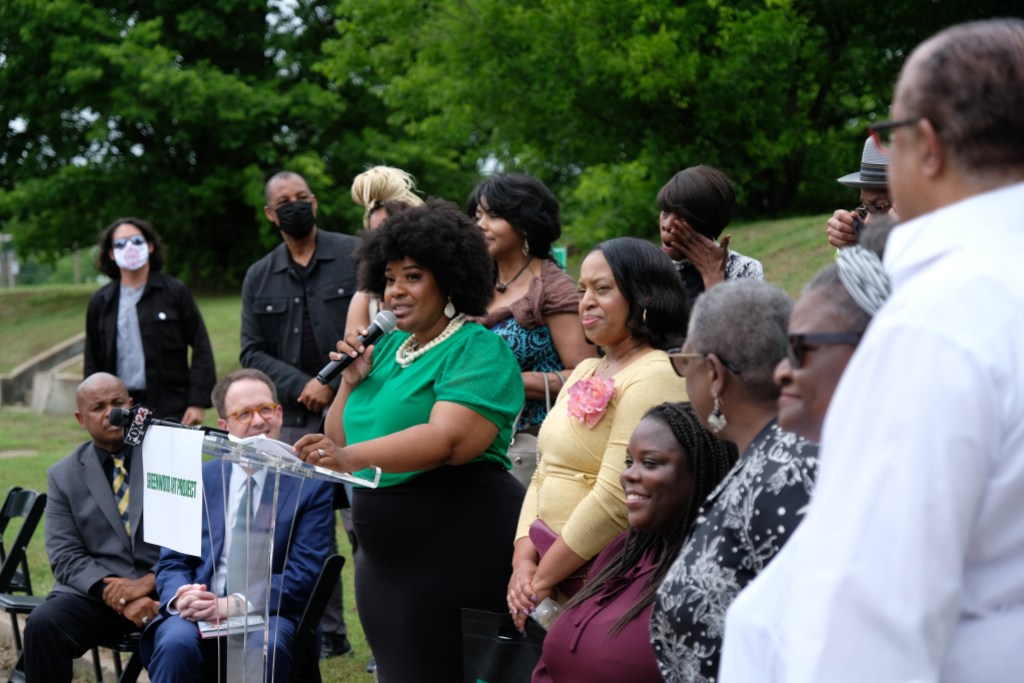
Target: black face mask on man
296 218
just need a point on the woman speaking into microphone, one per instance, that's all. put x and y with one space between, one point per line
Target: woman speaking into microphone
432 405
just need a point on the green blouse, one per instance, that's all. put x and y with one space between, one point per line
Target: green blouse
474 368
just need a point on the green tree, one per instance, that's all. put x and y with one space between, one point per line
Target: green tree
173 111
606 99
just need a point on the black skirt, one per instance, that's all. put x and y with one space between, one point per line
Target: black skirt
429 547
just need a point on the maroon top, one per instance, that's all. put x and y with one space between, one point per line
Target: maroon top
579 646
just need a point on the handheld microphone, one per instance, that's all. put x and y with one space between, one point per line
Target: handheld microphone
384 322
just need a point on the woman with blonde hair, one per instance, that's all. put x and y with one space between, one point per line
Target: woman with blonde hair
378 185
381 191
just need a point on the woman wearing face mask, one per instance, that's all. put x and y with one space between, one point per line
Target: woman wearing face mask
141 325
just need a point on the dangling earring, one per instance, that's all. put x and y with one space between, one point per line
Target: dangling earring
716 420
449 309
526 247
643 318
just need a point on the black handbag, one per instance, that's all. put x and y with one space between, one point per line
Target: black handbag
494 651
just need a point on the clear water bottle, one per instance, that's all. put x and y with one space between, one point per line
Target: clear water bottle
546 612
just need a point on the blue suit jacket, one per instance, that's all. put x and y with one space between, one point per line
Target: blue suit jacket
302 504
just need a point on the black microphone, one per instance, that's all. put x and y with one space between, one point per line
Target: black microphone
382 324
137 419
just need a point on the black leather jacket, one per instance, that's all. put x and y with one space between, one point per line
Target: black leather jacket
169 322
272 313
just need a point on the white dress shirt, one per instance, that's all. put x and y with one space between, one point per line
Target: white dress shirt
909 565
236 488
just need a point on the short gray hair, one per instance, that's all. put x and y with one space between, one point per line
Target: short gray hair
745 322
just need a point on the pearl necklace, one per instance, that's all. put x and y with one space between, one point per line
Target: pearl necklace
410 351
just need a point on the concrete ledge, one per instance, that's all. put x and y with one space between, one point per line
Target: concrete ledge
16 385
53 391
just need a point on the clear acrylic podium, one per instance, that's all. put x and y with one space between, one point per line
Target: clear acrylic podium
249 631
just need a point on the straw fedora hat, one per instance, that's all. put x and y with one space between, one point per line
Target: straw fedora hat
874 169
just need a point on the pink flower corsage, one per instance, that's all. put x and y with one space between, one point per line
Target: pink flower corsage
589 398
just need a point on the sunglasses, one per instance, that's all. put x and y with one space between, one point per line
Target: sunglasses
798 345
122 242
246 415
680 360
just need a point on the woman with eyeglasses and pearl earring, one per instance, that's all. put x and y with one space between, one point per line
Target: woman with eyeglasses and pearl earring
730 354
140 326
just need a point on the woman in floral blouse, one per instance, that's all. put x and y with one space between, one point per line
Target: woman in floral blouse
736 339
632 306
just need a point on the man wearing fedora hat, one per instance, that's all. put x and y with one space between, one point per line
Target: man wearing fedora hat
873 182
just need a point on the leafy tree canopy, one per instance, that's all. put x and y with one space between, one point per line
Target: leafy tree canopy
177 111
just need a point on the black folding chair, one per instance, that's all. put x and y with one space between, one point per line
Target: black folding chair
129 645
14 572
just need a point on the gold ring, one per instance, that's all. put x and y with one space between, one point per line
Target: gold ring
321 452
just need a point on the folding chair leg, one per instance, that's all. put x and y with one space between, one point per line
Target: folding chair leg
117 665
96 665
132 669
16 627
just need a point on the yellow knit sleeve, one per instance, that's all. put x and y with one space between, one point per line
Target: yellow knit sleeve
602 514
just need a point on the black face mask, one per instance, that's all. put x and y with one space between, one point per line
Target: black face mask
296 218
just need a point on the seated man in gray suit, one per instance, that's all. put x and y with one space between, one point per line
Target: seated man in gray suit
103 569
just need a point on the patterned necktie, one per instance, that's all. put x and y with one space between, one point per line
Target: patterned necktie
237 560
120 485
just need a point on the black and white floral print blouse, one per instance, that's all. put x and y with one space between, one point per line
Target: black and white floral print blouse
742 525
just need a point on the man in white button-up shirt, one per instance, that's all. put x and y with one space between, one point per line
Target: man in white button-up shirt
909 565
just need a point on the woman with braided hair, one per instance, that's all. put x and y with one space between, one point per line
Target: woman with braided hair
672 464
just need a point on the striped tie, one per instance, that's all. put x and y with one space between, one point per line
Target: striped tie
121 491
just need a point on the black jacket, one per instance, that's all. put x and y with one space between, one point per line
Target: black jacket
169 322
272 314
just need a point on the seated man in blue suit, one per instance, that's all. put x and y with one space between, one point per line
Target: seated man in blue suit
193 589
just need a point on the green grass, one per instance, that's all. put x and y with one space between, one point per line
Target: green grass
792 250
33 319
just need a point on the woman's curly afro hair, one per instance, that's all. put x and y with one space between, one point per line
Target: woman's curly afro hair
440 238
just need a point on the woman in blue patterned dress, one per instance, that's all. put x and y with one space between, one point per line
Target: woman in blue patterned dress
535 305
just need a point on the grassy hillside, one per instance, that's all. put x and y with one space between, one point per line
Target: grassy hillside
34 318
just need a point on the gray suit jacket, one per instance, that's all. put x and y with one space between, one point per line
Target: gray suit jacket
85 538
